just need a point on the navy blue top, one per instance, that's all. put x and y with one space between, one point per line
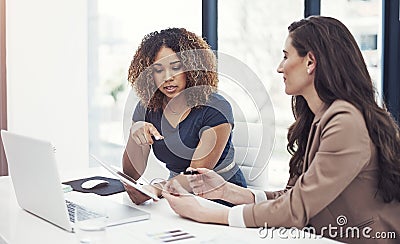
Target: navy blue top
179 144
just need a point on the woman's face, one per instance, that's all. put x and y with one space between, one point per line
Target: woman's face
294 69
168 73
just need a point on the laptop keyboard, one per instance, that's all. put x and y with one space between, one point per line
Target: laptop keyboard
85 214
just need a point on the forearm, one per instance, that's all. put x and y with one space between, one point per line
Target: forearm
217 216
212 144
237 195
128 168
134 159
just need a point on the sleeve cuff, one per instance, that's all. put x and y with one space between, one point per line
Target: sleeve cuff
259 195
235 216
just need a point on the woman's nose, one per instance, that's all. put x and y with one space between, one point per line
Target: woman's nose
169 75
280 68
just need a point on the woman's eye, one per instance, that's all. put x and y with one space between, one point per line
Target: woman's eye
157 70
177 67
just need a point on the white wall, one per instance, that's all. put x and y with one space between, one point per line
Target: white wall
47 74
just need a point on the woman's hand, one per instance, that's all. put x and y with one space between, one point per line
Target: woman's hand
142 132
182 202
136 196
187 206
207 184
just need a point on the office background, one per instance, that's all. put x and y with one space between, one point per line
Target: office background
64 64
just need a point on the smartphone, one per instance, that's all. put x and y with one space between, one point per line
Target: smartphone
191 172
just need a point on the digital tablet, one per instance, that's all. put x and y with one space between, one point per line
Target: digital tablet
125 178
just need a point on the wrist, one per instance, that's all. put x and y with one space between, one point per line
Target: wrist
213 215
238 195
227 190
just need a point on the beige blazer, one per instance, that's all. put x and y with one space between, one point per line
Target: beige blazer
338 188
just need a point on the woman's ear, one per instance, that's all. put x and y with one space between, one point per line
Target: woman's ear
311 63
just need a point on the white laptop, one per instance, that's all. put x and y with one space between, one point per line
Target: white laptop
33 170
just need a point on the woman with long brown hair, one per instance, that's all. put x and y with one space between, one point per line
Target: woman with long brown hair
345 165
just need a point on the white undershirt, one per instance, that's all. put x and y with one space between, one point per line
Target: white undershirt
235 216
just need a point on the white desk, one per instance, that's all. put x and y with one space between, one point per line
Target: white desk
18 226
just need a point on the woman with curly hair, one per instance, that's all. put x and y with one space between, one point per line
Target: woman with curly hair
180 115
345 166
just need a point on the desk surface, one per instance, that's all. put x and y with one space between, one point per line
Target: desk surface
18 226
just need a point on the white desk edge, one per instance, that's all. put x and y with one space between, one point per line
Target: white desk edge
18 226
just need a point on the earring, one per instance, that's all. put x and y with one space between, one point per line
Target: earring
308 71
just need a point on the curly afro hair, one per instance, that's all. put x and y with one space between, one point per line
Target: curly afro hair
199 65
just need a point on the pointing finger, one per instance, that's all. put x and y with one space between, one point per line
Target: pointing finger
154 132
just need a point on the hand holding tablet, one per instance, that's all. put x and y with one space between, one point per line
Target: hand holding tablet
126 179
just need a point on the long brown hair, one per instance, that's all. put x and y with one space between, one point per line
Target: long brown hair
198 60
341 73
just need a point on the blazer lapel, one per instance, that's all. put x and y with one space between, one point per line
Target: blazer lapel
311 135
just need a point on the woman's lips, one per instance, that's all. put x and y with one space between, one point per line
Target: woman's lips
170 89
